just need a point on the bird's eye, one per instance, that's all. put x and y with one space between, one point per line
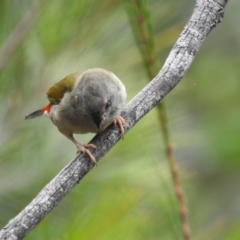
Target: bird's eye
108 104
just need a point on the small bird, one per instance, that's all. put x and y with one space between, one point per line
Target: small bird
85 102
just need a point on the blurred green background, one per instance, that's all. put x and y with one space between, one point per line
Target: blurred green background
130 194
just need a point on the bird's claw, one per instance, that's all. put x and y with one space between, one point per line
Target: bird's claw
84 149
120 121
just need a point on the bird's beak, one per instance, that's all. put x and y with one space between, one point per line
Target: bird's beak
97 118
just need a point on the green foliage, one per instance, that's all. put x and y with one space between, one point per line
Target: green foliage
129 196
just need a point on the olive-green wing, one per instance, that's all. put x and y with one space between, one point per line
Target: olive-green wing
57 91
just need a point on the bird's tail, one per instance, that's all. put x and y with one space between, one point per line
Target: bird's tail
35 114
40 112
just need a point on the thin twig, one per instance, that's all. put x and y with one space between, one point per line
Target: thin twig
142 28
183 212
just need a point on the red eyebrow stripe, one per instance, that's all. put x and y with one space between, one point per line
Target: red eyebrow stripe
46 109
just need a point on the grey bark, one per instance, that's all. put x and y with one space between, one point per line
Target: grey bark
207 14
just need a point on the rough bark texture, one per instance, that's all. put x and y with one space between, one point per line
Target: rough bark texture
207 14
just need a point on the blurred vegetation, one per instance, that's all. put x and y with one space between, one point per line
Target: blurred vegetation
139 15
129 196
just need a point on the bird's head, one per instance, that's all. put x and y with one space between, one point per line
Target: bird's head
99 97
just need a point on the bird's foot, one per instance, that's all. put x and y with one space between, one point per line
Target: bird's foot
120 121
84 149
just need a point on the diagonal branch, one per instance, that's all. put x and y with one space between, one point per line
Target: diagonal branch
207 14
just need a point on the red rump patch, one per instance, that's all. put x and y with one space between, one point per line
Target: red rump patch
46 109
